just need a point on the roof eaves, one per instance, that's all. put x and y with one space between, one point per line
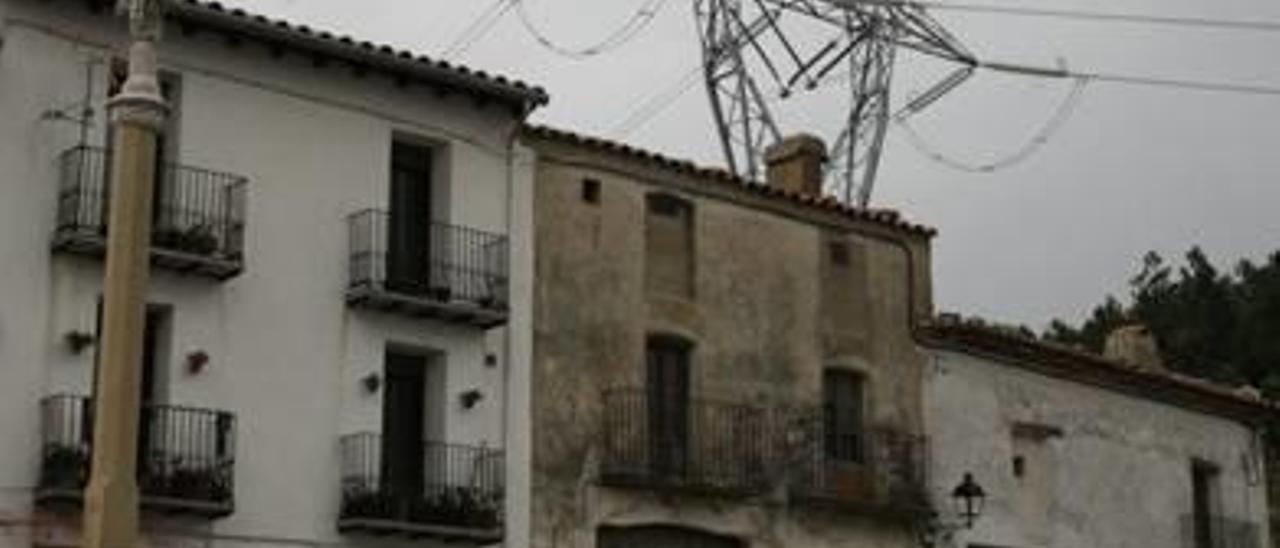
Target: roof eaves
237 20
1075 363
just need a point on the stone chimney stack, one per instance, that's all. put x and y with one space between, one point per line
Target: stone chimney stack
1135 345
795 164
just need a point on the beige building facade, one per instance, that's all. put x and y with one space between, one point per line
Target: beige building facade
720 364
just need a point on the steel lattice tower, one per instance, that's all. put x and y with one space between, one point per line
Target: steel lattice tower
759 52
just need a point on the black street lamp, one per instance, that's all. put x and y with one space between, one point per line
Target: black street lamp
969 498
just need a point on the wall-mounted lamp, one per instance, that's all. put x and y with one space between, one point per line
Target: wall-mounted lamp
371 383
196 361
470 398
77 341
968 500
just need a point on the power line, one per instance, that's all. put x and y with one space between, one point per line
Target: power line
1136 18
1038 141
629 30
479 27
657 104
1130 79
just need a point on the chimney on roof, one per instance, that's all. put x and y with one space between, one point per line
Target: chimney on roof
1134 345
795 164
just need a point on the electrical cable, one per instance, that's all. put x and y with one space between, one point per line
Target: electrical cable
632 28
479 28
1047 132
657 104
1136 18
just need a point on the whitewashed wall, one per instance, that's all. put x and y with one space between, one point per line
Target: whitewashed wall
286 352
1119 476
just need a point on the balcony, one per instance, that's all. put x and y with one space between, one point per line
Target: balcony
730 449
699 446
879 471
185 457
448 492
1215 531
198 215
446 272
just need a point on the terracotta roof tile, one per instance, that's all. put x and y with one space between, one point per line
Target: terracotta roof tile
213 13
1020 344
721 176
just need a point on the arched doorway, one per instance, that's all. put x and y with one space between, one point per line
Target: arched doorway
662 536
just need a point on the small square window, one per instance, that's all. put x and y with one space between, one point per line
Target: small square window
591 191
1019 466
839 253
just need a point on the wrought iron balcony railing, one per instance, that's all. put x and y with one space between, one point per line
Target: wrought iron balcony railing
438 270
728 448
198 216
1216 531
698 445
186 456
451 492
880 470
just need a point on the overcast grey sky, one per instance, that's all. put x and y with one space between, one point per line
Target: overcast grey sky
1134 169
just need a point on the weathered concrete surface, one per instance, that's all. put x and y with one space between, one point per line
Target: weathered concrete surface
768 311
1103 469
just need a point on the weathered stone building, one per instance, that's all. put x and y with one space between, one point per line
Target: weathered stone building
1083 451
717 363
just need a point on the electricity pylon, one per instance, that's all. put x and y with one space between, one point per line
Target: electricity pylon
759 52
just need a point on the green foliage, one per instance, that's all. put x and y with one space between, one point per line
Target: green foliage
1215 325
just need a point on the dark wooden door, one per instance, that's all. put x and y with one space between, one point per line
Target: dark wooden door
843 404
1203 483
403 421
149 443
409 241
148 393
661 537
667 380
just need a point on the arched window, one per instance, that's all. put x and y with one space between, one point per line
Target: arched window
669 258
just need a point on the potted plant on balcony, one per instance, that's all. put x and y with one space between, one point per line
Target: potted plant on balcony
458 507
202 483
197 239
360 500
64 467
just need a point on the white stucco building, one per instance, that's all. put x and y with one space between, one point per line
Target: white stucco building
1081 451
339 296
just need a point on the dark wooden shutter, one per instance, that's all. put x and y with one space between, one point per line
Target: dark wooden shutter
410 246
844 437
668 403
403 419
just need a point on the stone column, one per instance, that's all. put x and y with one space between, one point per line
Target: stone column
111 499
